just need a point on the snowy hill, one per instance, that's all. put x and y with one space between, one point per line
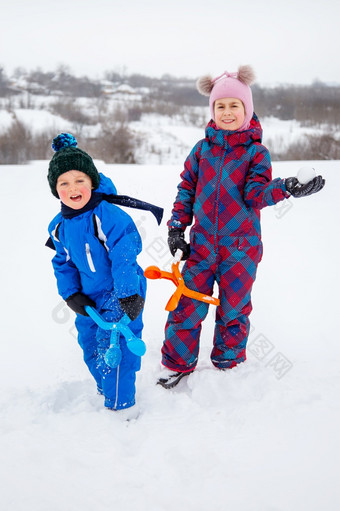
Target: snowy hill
261 437
157 133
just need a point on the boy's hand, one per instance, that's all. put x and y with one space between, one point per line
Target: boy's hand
132 305
298 190
176 241
78 301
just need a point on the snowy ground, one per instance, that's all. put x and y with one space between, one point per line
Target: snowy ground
262 437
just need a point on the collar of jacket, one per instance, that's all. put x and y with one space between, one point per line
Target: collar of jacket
229 139
68 212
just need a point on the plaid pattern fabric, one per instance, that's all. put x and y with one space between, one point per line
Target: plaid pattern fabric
234 269
226 180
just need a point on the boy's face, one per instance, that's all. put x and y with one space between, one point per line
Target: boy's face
229 113
74 189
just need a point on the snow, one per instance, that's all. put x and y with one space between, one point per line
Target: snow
158 138
37 121
260 437
279 134
6 119
305 174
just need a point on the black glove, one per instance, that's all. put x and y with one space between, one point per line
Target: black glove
78 301
176 241
132 305
298 190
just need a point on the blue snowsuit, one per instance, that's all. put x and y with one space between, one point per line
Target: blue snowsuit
96 254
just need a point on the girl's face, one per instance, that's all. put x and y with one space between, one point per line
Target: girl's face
74 189
229 113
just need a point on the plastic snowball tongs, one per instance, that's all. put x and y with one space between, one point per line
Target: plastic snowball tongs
113 356
153 272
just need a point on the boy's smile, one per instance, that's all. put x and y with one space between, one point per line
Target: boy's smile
74 189
229 113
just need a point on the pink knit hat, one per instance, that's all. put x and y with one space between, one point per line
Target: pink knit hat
230 85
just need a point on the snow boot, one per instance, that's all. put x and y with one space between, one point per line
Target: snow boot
171 380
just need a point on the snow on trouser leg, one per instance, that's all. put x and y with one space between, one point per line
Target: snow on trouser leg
118 383
87 331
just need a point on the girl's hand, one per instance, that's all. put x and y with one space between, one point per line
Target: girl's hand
176 241
302 190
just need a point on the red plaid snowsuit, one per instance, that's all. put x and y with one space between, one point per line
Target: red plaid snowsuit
226 180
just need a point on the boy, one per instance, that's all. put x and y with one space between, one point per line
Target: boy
95 264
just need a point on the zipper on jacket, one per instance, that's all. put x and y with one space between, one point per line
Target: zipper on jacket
217 201
89 257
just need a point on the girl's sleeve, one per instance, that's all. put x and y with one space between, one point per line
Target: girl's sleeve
123 244
260 189
67 275
182 211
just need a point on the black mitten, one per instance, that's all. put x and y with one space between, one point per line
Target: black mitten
176 241
132 305
298 190
78 301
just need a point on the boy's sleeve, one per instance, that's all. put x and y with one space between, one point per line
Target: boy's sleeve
260 189
182 211
123 244
67 275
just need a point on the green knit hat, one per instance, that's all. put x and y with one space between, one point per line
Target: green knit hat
69 157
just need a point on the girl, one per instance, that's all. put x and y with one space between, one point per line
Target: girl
227 179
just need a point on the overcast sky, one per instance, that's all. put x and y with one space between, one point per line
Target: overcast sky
285 41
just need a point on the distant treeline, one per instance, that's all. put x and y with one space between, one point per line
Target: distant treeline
315 103
119 100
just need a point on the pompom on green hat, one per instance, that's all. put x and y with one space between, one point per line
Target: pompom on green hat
69 157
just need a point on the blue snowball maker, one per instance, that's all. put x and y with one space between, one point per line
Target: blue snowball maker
113 356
